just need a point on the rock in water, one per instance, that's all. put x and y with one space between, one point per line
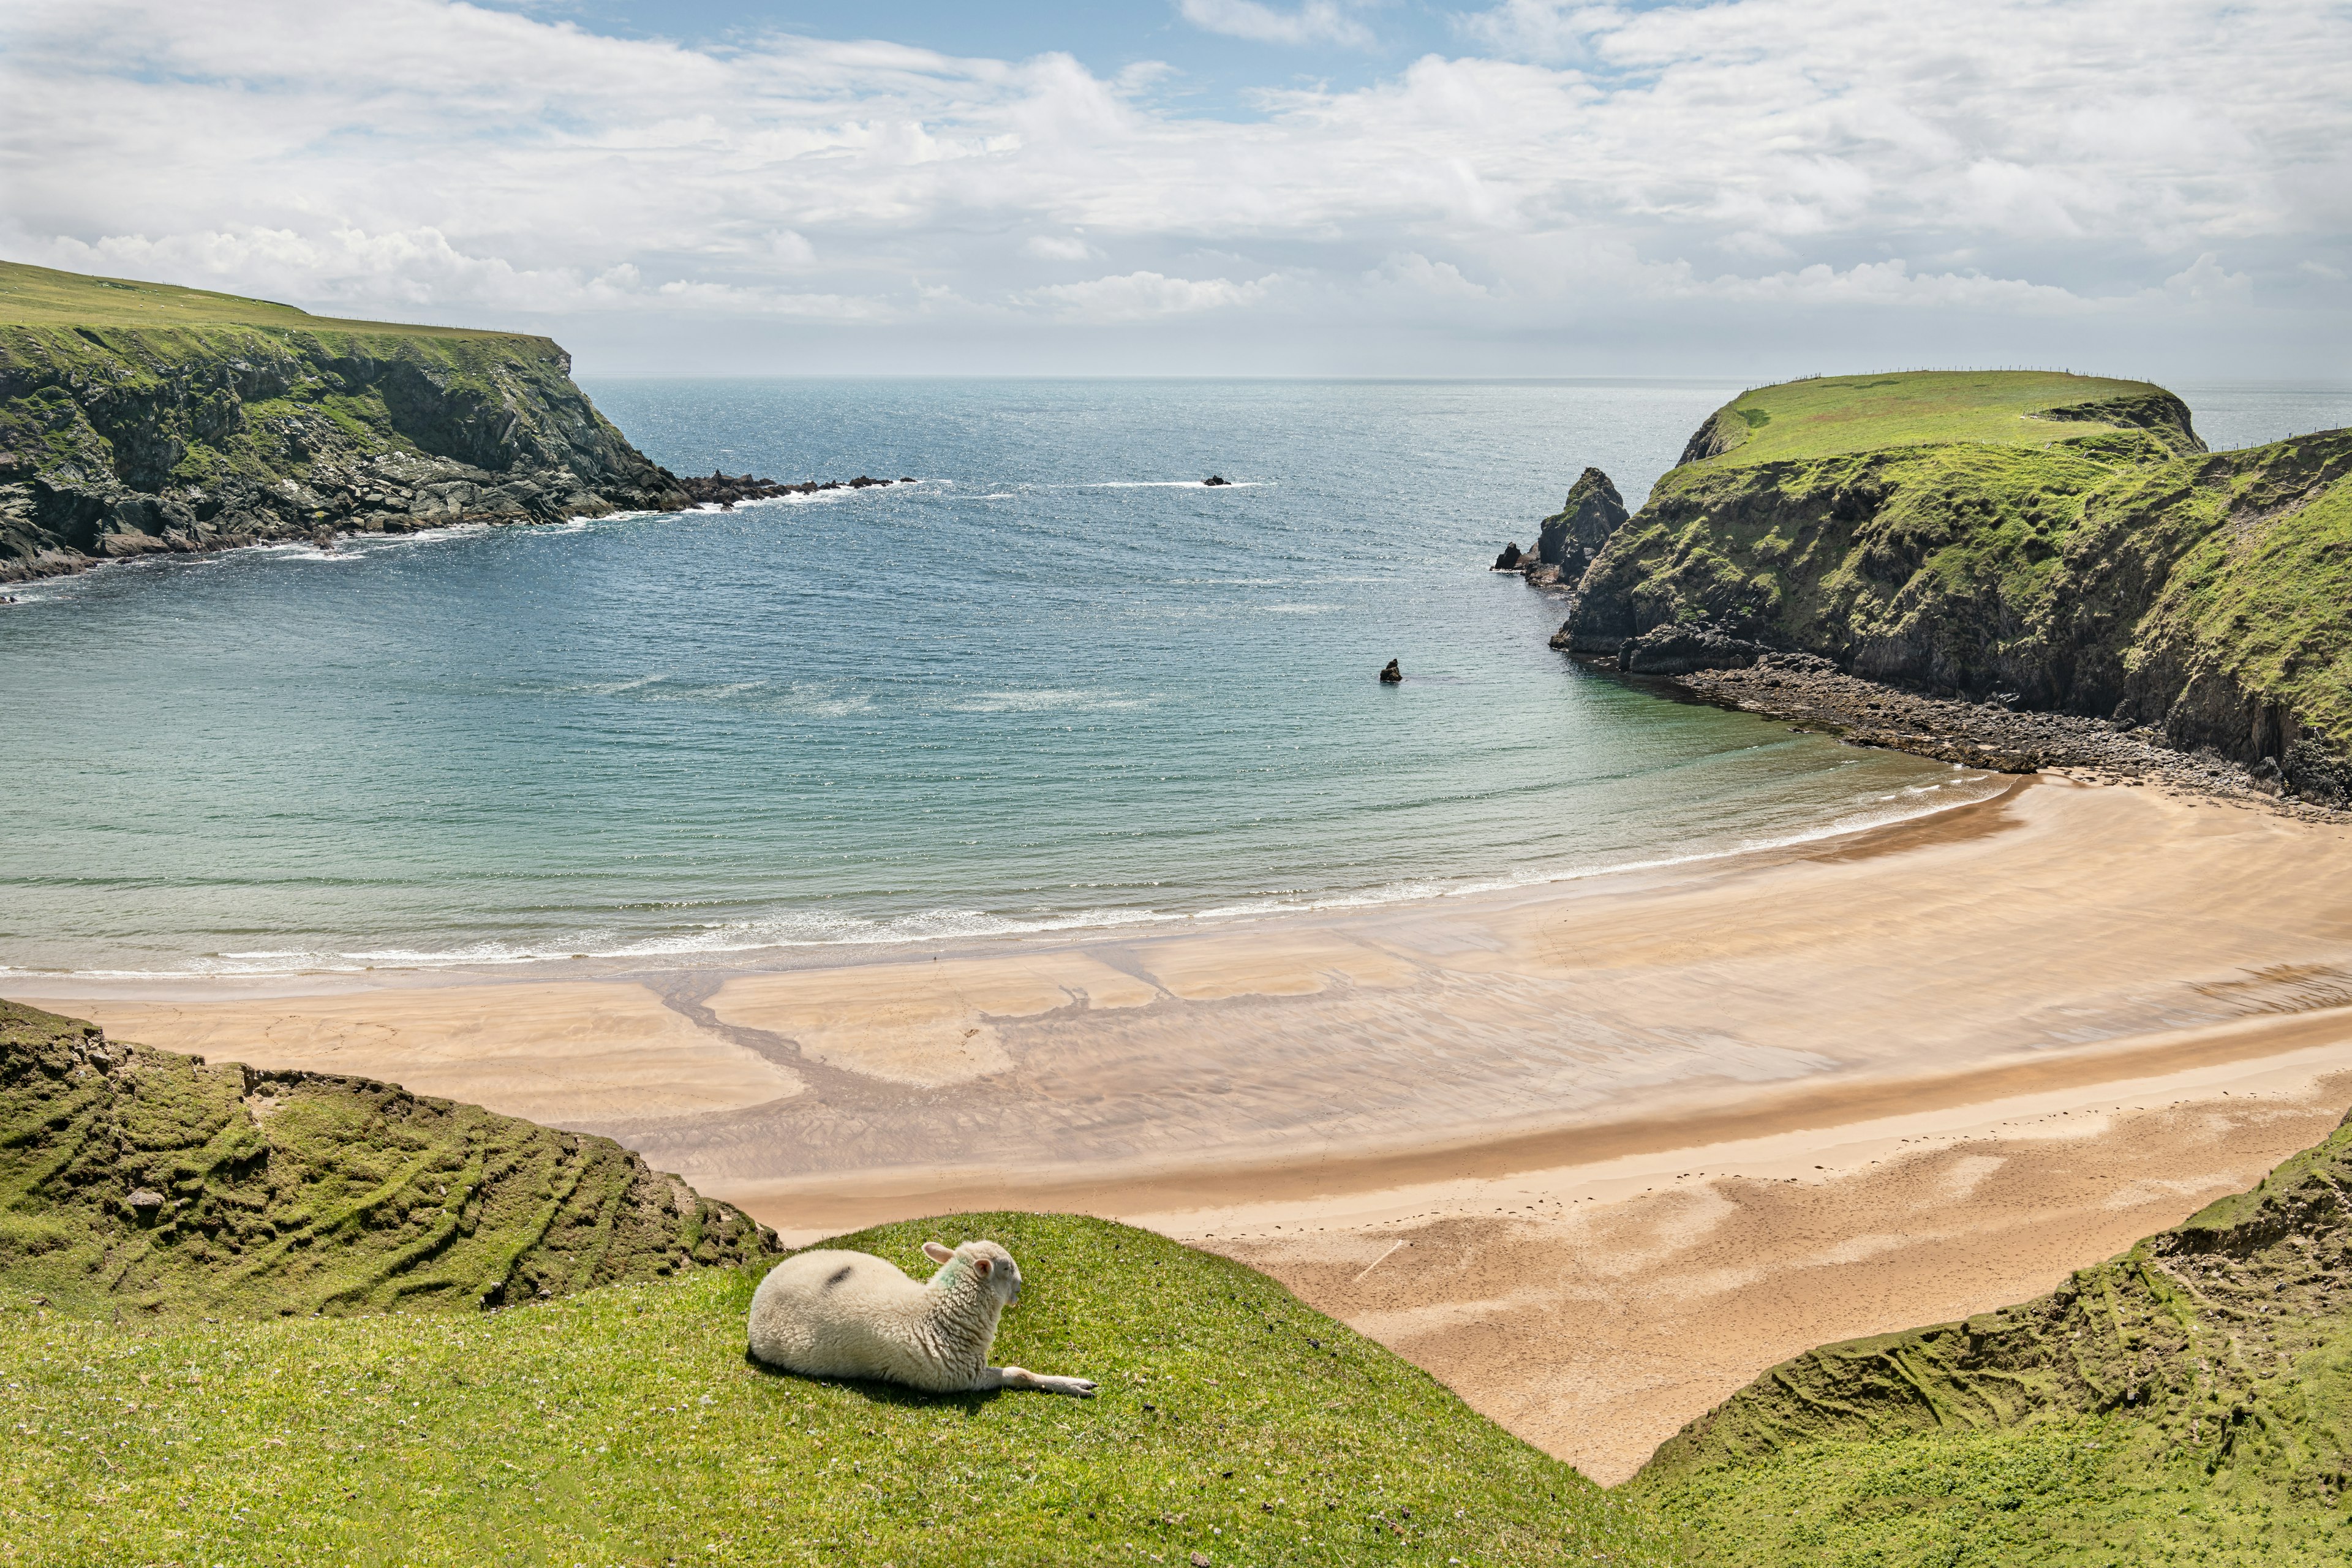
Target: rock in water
1585 521
1391 674
1213 480
1508 561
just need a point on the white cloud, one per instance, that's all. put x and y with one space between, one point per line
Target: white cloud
1539 29
1443 280
1314 22
1143 296
1766 161
1058 248
1881 283
2206 282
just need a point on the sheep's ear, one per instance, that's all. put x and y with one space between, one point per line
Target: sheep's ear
936 1253
983 1267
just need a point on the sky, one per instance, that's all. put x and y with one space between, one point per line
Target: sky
1754 189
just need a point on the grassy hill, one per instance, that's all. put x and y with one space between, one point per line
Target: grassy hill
1981 535
250 1373
624 1424
1826 416
2189 1401
43 297
144 1184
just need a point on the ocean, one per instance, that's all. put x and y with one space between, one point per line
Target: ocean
1055 684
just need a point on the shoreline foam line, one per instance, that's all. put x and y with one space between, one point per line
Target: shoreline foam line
561 954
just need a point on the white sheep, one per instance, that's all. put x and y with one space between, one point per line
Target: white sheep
850 1314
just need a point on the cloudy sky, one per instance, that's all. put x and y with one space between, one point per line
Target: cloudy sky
1752 188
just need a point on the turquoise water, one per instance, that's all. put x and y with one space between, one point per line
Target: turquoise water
1056 685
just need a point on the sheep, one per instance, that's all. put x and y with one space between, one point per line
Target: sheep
849 1314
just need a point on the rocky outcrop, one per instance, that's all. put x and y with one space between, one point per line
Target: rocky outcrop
1585 522
1567 541
124 441
2160 414
723 490
2125 574
1680 650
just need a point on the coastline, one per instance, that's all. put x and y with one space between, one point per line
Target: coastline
2050 919
1811 694
1567 1089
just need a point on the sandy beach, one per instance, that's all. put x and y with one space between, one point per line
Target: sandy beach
1595 1152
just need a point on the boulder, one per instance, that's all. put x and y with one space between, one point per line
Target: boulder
1678 650
1213 480
1508 561
1391 674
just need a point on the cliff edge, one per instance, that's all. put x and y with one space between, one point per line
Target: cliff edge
2035 539
138 417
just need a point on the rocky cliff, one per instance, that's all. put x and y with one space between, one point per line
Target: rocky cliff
137 418
2086 556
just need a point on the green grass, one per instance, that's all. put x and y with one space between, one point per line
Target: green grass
292 1194
42 297
2088 1492
625 1425
1935 531
2190 1399
1829 415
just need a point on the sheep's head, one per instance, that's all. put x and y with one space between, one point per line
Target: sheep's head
988 1262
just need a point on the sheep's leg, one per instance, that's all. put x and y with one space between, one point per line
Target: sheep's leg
1021 1377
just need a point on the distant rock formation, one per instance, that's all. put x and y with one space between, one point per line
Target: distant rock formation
1391 674
1213 480
1508 561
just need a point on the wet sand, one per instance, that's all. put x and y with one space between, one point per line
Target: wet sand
1499 1081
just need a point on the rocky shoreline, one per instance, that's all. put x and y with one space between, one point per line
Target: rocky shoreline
723 490
1811 693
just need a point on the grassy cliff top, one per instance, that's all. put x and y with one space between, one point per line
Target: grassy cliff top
43 297
1827 416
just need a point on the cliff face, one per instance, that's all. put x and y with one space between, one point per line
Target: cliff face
118 440
2124 574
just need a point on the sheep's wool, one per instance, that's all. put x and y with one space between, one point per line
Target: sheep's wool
850 1314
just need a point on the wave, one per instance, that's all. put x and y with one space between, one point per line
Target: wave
1049 700
819 927
1166 485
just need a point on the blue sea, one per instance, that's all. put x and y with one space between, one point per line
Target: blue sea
1055 685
